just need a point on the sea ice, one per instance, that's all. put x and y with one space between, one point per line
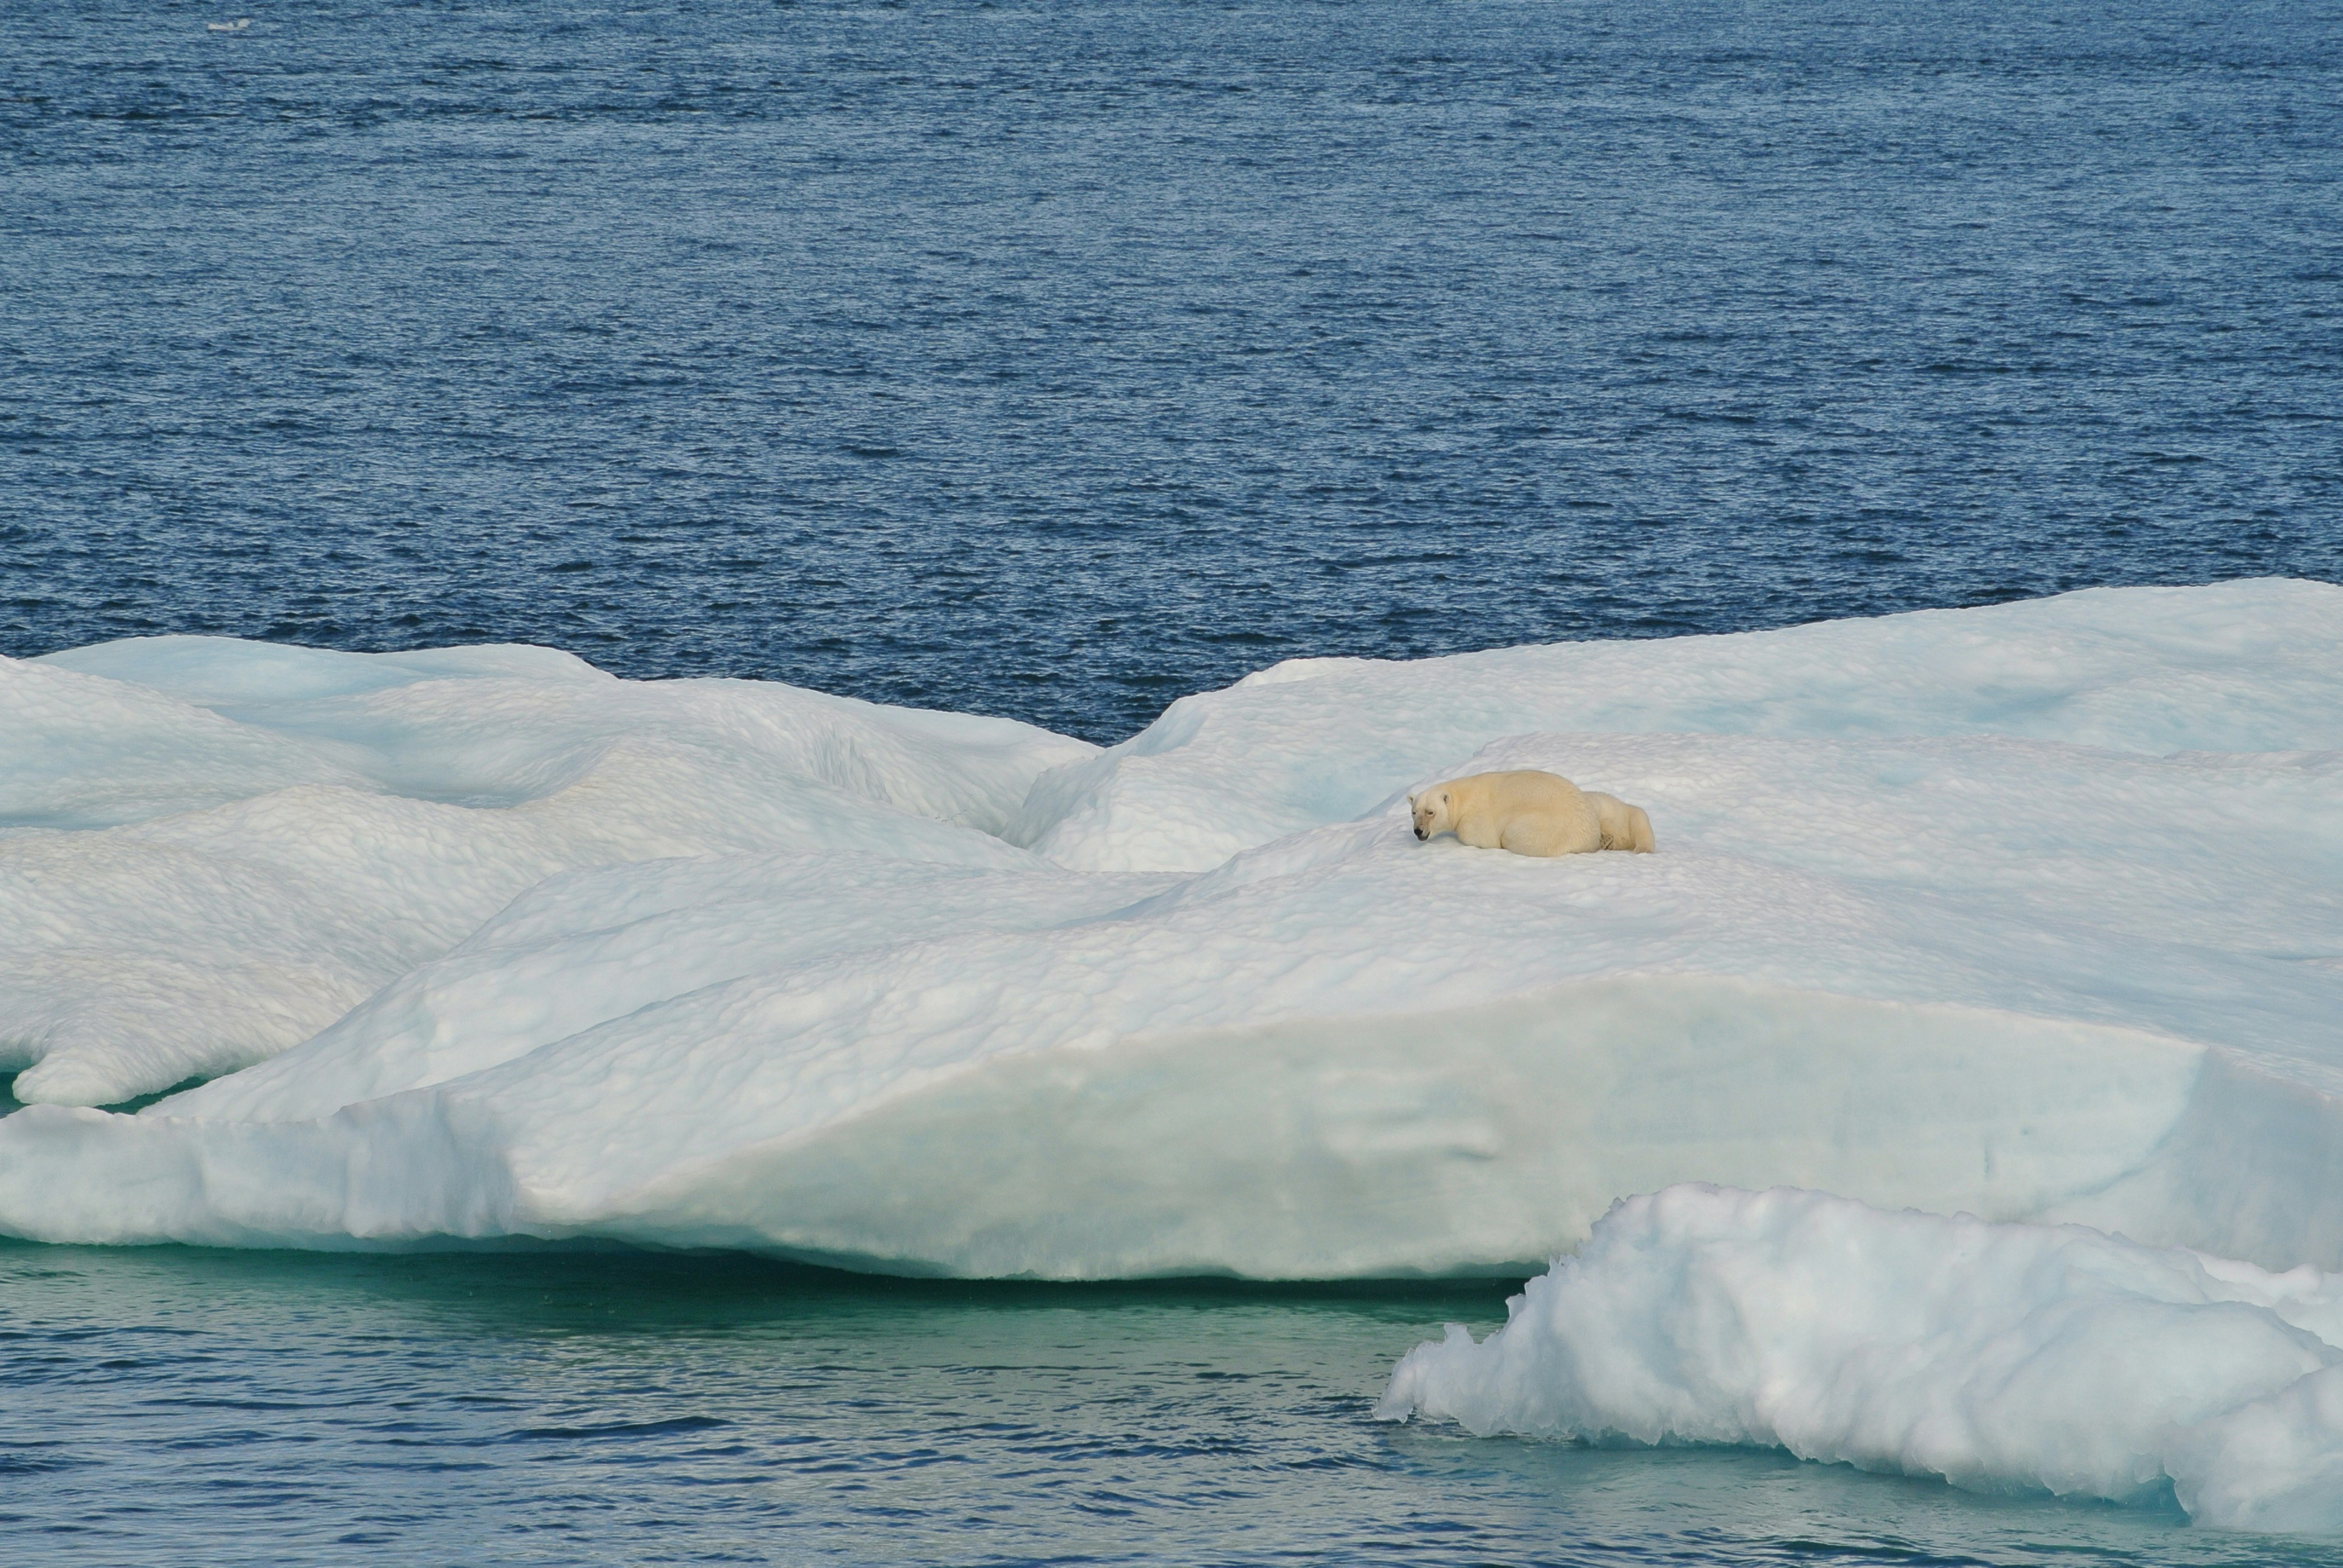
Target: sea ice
1997 1356
210 849
2034 911
2247 667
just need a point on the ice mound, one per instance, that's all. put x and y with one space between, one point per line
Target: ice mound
2035 912
2248 666
210 849
1997 1356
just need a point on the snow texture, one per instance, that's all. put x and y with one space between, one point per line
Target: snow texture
2034 911
1998 1356
210 849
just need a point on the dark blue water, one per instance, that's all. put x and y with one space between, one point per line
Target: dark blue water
1057 359
1053 361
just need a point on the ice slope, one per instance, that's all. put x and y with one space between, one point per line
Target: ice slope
1995 1356
210 849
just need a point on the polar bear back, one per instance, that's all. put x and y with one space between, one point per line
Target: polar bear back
1525 811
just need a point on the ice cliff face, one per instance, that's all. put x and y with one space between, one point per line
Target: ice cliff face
2034 911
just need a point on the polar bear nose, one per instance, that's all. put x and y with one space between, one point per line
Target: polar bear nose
1419 832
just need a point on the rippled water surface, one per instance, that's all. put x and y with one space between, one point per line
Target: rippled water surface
176 1406
1055 359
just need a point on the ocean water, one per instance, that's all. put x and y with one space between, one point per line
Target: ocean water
474 1409
1055 360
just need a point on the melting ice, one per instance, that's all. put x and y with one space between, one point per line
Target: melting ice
1995 1355
2033 912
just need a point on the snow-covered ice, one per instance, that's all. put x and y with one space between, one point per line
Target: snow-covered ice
210 849
2033 912
1998 1356
2238 668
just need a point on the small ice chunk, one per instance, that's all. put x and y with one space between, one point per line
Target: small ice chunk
1999 1356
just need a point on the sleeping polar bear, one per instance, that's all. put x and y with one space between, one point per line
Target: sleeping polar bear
1530 813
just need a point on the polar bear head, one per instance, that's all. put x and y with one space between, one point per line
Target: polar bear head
1431 812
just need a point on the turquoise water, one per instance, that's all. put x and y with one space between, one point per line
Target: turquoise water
175 1405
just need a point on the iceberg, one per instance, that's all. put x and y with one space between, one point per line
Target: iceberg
2033 911
1997 1356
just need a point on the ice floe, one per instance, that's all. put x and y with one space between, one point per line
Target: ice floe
1998 1356
2034 911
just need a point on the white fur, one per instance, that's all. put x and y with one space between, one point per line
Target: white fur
1529 813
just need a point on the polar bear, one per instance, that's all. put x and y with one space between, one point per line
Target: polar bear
1625 826
1529 813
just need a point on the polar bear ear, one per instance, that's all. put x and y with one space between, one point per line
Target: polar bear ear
1411 802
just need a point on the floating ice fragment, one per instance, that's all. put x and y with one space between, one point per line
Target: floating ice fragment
1998 1356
